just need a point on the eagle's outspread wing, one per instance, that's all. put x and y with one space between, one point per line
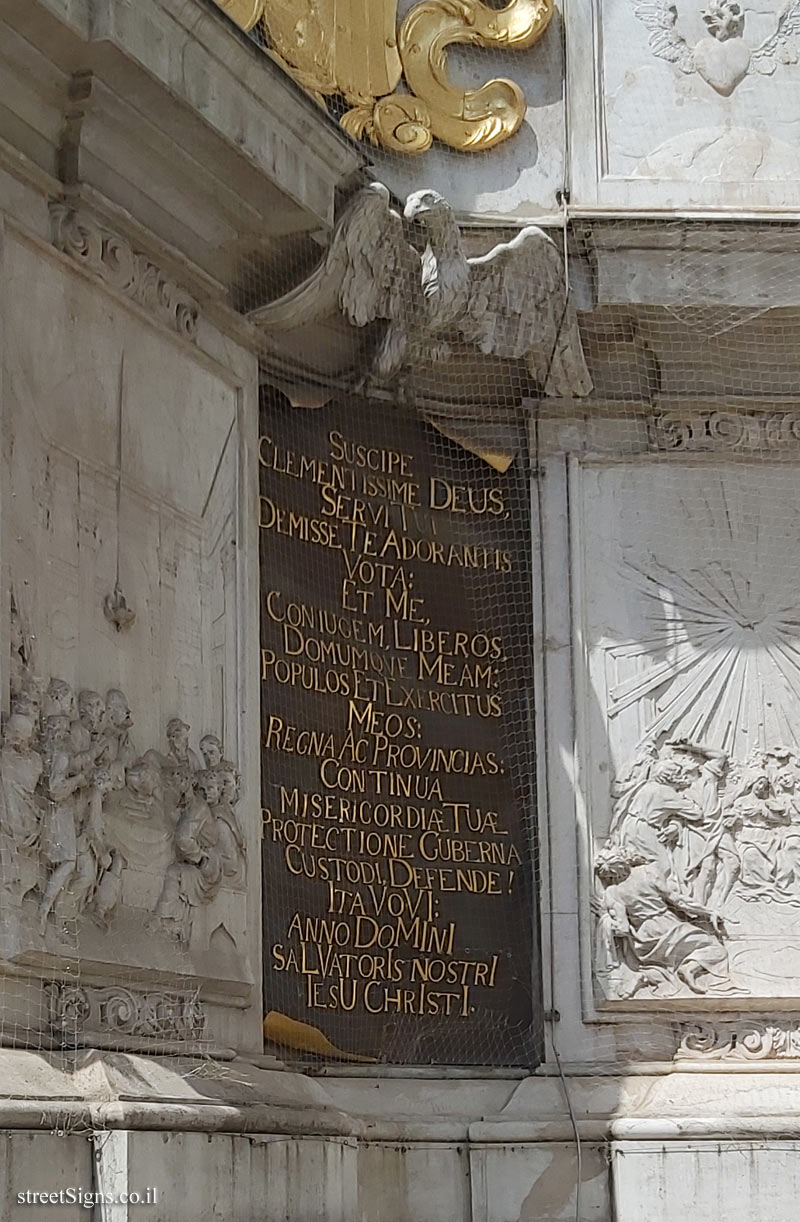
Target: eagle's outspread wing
519 307
380 271
782 47
660 17
369 271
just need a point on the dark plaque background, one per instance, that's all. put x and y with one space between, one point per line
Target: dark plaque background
398 880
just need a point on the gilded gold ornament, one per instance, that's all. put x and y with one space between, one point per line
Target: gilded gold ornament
352 48
465 119
246 13
399 123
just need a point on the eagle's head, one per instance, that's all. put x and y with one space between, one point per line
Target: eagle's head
426 206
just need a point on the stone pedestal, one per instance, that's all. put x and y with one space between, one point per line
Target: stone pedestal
156 172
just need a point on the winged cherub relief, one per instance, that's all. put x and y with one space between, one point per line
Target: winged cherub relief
510 303
722 57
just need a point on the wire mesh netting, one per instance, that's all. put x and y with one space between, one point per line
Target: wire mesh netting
656 498
529 662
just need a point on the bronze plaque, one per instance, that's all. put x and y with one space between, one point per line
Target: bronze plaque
397 742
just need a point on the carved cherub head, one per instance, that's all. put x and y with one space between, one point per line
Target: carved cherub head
724 19
785 781
90 709
178 781
18 732
143 778
211 750
118 709
670 772
59 700
103 779
230 786
613 864
28 700
208 783
760 788
178 736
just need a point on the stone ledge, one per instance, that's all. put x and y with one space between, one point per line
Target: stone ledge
184 1094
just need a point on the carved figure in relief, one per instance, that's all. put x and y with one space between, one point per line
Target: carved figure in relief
511 303
91 712
231 839
700 854
195 876
655 806
20 769
27 701
119 722
143 781
653 927
722 58
179 750
59 704
65 779
212 752
76 802
716 829
759 820
93 853
787 872
177 766
87 733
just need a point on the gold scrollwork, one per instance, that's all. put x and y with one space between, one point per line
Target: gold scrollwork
353 48
468 119
246 13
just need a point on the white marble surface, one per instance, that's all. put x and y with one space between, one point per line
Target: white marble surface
685 625
645 133
123 443
736 1180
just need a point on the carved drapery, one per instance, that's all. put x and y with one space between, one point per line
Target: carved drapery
353 48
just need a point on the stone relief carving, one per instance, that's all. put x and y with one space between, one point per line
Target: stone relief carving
71 790
713 430
110 257
510 303
77 1009
693 760
693 835
117 611
357 51
722 57
745 1039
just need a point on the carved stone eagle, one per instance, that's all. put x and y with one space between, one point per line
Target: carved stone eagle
511 303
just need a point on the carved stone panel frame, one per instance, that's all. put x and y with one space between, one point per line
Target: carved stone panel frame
668 111
687 729
134 427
